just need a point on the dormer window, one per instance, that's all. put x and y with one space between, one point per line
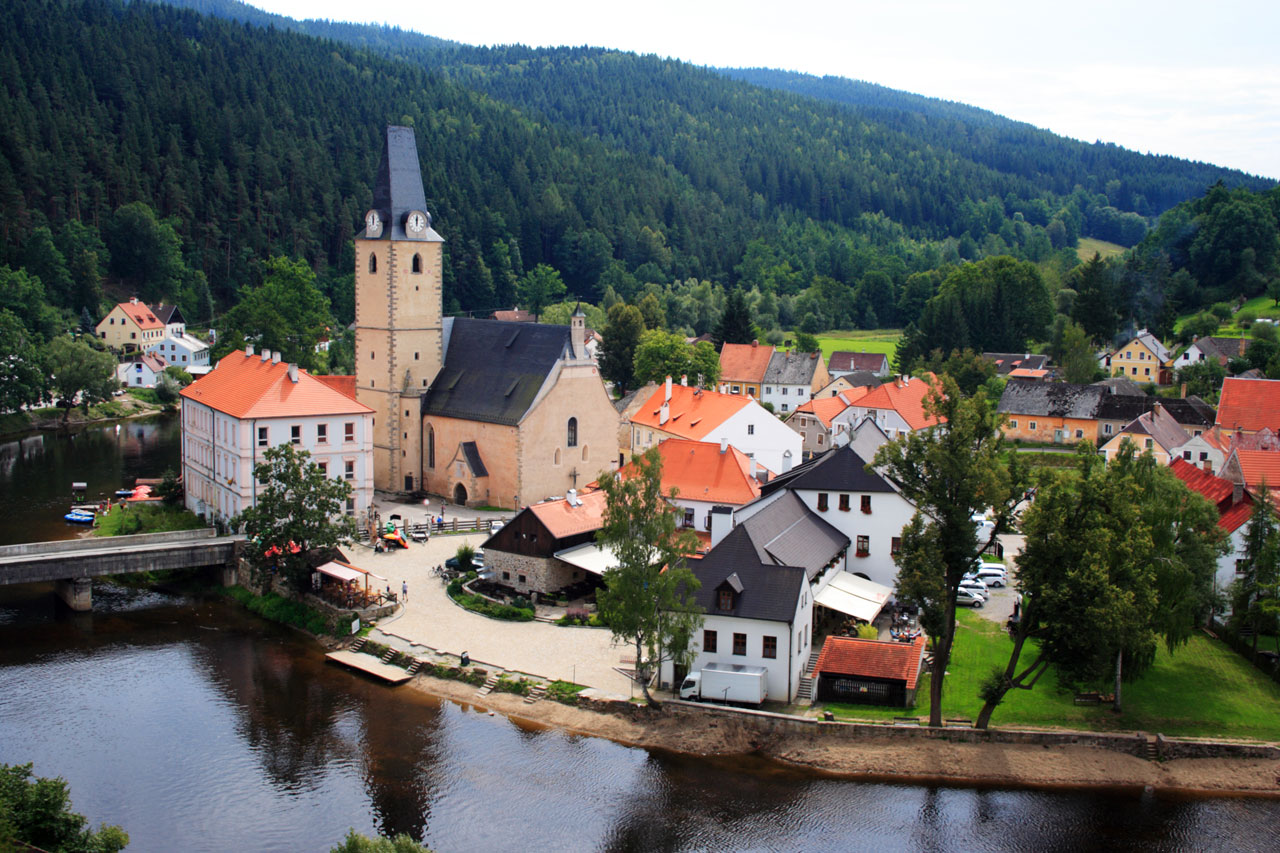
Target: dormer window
725 600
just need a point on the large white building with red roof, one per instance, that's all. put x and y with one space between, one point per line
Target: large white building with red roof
897 406
249 403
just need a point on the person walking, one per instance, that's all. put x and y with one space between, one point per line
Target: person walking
404 589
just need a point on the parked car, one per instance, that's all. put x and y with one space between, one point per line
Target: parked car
976 587
965 598
991 574
495 526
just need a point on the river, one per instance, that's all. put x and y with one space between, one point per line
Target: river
37 470
198 727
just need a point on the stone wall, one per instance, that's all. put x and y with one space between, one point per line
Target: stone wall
541 574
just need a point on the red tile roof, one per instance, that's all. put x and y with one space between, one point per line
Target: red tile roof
1028 373
886 659
1259 466
907 399
700 472
824 408
245 386
563 519
1249 404
744 362
341 384
515 315
694 413
1217 489
843 361
140 314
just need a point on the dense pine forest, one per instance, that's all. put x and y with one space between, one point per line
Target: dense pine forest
156 151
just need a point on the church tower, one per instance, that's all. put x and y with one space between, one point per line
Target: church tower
399 303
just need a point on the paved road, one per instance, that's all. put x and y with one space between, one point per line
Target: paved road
584 655
999 607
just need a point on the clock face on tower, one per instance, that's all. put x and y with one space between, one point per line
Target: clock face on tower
417 222
373 224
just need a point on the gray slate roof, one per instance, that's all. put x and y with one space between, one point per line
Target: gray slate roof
1191 411
474 462
1051 399
398 188
1161 426
841 470
787 533
493 370
788 368
767 591
862 379
1122 385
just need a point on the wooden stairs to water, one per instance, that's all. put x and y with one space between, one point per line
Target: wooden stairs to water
359 644
538 691
415 666
489 683
391 653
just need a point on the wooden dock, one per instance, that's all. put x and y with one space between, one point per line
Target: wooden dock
371 665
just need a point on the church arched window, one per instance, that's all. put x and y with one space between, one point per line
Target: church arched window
573 432
417 263
557 457
431 446
373 262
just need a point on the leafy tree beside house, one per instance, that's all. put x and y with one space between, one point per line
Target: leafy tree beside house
735 321
647 598
22 374
621 337
540 287
287 313
299 509
661 354
79 374
1255 592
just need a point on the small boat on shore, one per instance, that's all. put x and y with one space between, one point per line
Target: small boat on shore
79 517
124 493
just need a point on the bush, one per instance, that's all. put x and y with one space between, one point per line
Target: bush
564 691
284 610
1245 319
485 607
519 687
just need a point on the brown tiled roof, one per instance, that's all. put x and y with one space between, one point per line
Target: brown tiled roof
905 398
843 362
246 386
562 519
515 315
1249 404
885 659
744 362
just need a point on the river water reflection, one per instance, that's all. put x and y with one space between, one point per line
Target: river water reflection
199 728
37 470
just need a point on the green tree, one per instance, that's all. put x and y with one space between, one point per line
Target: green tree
539 287
1076 355
22 375
735 321
87 259
42 258
968 368
146 252
1094 308
806 342
300 509
661 354
648 597
287 313
1201 325
949 472
704 365
24 295
618 352
1257 571
1204 378
170 489
357 843
35 814
655 316
79 374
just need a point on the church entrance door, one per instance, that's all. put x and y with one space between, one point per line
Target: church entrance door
460 495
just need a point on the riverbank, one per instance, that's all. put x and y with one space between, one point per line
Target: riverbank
119 408
885 758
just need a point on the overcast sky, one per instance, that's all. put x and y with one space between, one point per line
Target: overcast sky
1199 80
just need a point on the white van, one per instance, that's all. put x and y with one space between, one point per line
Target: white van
992 574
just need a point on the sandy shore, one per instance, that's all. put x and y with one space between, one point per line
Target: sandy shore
926 761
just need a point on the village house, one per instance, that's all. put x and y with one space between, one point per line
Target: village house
897 406
182 350
848 382
175 326
1155 431
843 363
481 412
1253 469
525 554
1235 507
1208 450
742 368
869 672
863 505
1212 349
813 421
130 326
1194 415
792 379
678 411
705 475
1142 359
1008 363
1064 413
1249 405
141 371
249 403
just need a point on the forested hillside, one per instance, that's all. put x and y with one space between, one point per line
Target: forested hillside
148 150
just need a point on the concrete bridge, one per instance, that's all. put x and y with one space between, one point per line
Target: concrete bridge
73 564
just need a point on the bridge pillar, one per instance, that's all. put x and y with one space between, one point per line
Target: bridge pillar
76 592
227 574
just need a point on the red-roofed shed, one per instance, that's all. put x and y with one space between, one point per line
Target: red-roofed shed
869 672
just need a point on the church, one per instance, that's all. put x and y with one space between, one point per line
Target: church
479 412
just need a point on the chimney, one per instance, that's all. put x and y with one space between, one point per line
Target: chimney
684 379
293 372
266 354
275 357
248 349
1182 392
754 343
1237 493
667 396
724 444
755 468
1208 466
572 497
664 414
133 300
721 523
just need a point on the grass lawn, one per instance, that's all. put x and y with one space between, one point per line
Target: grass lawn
146 518
1087 246
1202 690
861 340
1260 306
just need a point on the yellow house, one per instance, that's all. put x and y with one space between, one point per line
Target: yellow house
1143 359
130 326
